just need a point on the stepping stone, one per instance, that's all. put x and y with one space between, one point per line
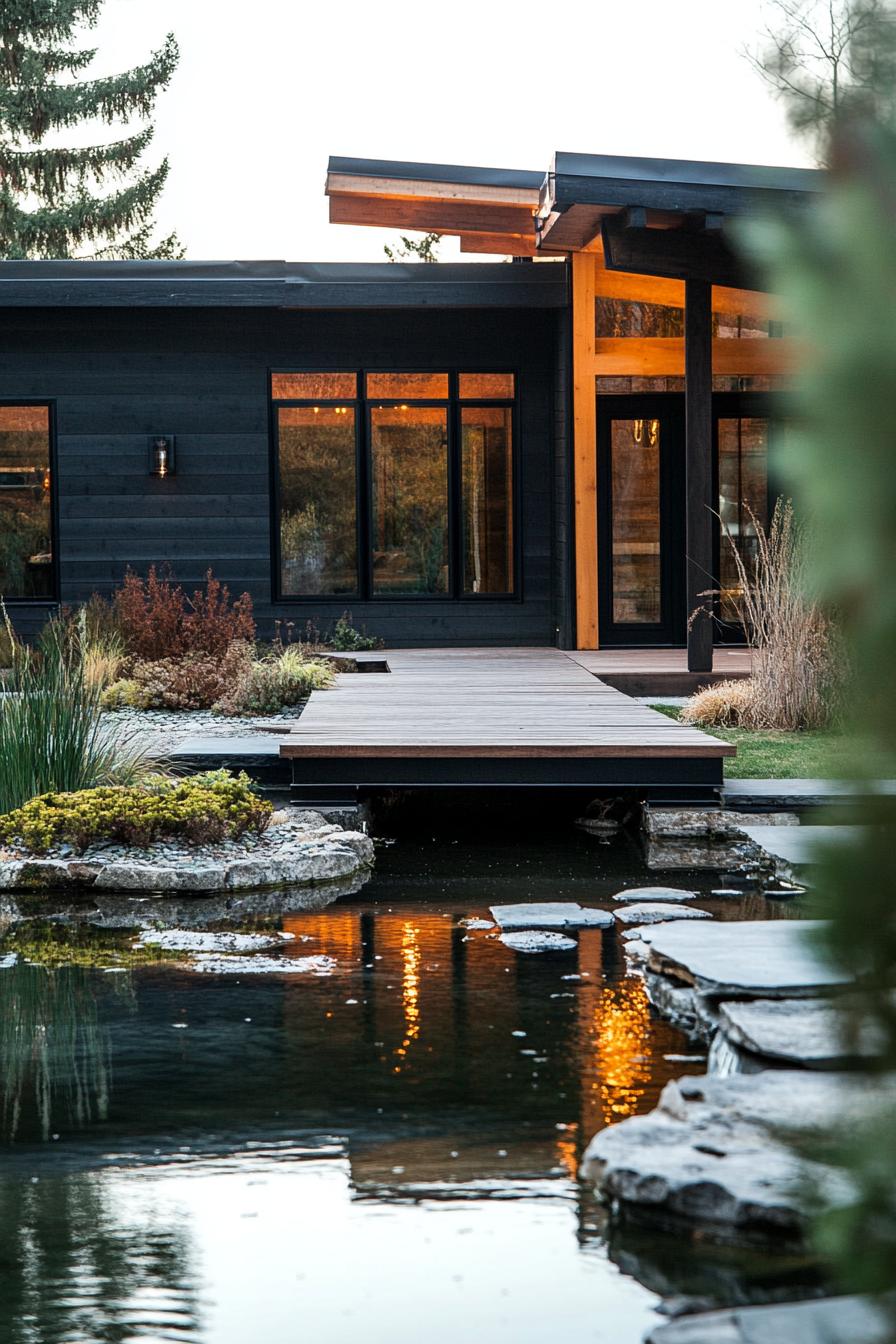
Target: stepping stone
550 915
210 964
718 1152
793 1030
536 940
655 894
771 958
836 1320
194 940
656 912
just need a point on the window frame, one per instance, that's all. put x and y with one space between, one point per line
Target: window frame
362 405
52 459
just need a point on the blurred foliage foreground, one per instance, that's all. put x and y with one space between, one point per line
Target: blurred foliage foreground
835 267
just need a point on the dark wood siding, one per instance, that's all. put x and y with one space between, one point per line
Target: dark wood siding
117 376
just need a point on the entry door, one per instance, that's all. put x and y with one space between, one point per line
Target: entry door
640 449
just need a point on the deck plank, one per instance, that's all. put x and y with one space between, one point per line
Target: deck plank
487 703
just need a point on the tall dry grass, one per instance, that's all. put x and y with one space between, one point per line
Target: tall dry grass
798 663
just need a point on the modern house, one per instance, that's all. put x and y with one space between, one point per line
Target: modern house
526 452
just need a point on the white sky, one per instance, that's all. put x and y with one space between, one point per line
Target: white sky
267 89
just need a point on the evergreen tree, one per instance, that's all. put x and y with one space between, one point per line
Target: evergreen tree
57 202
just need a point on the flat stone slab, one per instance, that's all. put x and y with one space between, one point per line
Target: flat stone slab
798 845
209 964
793 1030
537 940
756 958
206 940
833 1320
550 915
715 1152
642 894
656 912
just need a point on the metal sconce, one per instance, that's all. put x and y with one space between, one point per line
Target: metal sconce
161 455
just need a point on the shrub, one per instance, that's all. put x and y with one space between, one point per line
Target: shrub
345 638
202 810
191 681
719 706
97 644
274 682
160 622
52 733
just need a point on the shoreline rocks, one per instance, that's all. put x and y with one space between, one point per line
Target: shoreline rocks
299 847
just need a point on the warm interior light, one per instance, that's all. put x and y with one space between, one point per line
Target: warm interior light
46 479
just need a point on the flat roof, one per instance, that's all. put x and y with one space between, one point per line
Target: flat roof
279 284
465 174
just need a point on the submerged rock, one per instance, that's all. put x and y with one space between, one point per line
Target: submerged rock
641 894
550 915
193 940
536 940
834 1320
655 912
714 1153
259 965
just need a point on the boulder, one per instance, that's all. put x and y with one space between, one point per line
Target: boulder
550 915
714 1153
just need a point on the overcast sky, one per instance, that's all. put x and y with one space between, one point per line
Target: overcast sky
267 89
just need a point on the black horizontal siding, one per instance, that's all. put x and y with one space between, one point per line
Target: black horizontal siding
119 376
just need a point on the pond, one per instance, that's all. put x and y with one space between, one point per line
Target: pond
386 1151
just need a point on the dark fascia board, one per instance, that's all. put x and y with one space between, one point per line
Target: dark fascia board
675 184
278 284
437 172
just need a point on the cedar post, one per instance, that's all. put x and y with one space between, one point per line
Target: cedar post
698 467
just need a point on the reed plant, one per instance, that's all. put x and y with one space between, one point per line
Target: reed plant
53 735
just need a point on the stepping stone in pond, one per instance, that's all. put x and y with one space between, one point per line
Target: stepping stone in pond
655 894
550 915
656 912
537 940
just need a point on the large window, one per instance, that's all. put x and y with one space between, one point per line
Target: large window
394 484
26 504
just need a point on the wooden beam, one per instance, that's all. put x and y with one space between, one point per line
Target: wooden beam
584 450
358 185
681 254
698 469
438 216
670 293
502 244
664 356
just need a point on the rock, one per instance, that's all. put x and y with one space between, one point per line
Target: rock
641 894
712 823
755 958
655 912
217 965
712 1153
360 844
833 1320
793 1030
674 1002
550 915
534 940
193 940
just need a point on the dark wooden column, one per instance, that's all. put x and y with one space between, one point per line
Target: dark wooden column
698 466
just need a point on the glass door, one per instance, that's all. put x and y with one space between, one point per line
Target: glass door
640 522
743 433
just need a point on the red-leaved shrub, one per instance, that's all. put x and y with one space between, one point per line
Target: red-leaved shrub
158 621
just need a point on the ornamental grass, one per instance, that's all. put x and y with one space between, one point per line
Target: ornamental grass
52 733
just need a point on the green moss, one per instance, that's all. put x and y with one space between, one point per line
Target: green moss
202 809
51 944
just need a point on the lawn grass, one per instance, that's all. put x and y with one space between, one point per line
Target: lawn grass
822 753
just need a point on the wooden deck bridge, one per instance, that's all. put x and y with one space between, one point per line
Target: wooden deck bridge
493 717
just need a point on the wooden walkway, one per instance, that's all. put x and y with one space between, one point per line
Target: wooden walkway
492 716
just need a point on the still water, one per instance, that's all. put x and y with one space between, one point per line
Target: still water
388 1151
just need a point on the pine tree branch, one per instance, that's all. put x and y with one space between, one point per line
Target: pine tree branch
31 111
54 232
21 64
138 247
50 173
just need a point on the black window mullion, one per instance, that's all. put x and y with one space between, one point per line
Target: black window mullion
365 501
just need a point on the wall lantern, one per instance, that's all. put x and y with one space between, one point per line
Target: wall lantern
161 455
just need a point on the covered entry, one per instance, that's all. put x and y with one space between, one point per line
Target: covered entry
641 503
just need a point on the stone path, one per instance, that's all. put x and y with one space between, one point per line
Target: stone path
837 1320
